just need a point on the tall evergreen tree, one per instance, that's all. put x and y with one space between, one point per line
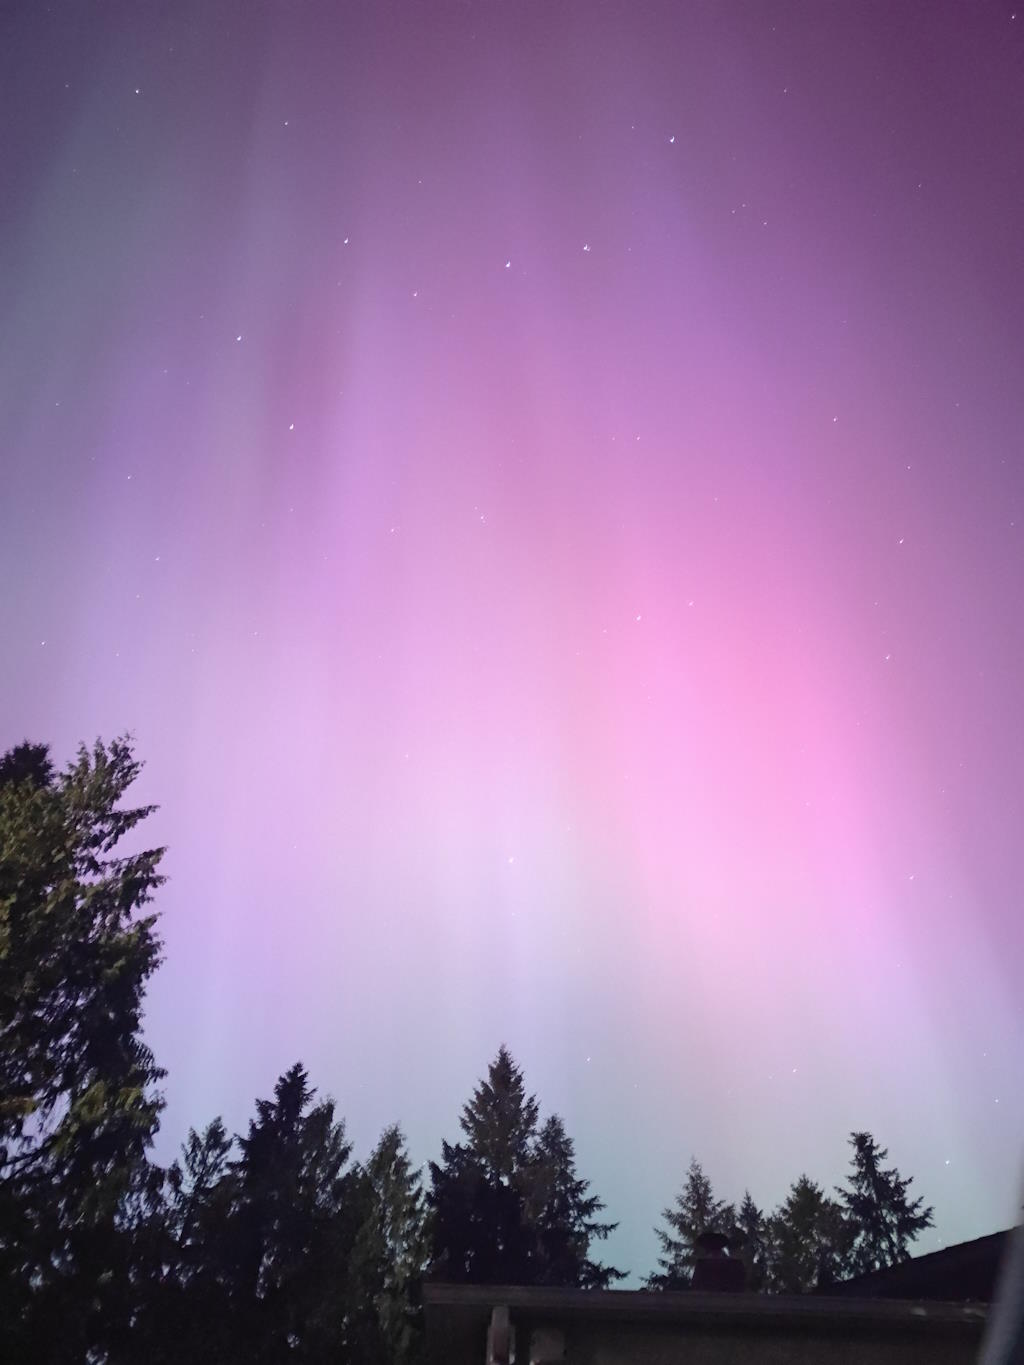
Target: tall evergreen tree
500 1121
695 1211
480 1230
507 1206
562 1213
202 1191
292 1227
187 1311
79 1104
812 1240
755 1248
390 1253
877 1204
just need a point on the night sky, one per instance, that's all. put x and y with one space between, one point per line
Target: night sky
542 482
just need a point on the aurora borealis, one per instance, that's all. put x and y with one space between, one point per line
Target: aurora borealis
542 482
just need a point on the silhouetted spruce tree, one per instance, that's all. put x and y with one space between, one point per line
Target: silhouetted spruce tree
506 1204
876 1202
562 1213
187 1312
202 1188
500 1121
390 1254
756 1248
812 1240
696 1210
292 1227
78 1100
480 1232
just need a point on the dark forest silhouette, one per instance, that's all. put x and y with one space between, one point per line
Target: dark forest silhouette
276 1244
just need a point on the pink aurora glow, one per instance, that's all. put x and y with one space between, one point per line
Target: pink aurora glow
543 485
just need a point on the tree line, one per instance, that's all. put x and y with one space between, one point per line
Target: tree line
275 1244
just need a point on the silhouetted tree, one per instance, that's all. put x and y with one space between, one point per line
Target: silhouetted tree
500 1121
27 763
292 1227
562 1213
696 1210
506 1205
202 1190
188 1312
755 1249
812 1240
390 1254
78 1099
479 1227
876 1202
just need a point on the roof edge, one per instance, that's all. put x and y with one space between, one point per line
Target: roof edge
688 1305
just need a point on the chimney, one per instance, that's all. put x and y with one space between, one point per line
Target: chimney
714 1270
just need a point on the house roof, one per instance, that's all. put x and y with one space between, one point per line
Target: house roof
468 1307
965 1272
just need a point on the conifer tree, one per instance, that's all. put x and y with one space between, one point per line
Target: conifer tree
462 1234
187 1312
79 1104
391 1249
292 1227
201 1191
480 1230
507 1206
695 1211
755 1248
877 1204
812 1240
500 1121
562 1213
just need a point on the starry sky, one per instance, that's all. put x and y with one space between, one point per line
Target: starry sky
542 482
